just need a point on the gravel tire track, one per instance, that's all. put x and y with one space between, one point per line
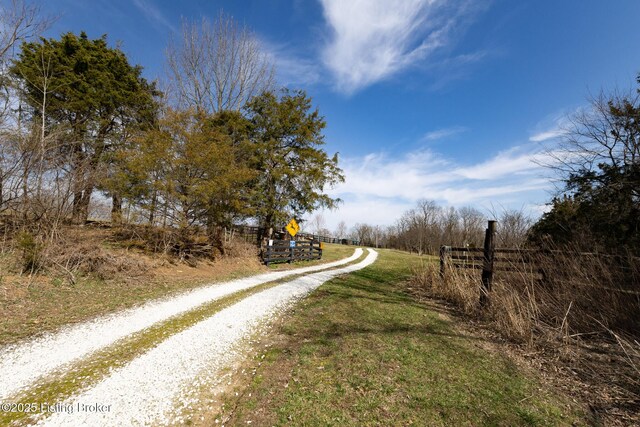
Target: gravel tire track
151 388
25 363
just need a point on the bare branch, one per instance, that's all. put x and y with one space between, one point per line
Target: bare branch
217 66
605 133
19 21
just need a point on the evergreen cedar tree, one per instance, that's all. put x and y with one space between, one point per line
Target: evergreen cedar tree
91 91
265 162
225 167
191 163
293 170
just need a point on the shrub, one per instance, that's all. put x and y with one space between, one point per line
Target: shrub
31 251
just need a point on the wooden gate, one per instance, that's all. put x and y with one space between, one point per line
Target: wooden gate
291 251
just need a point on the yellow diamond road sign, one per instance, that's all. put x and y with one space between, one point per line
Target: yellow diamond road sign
293 227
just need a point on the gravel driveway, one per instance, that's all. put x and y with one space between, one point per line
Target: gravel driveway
30 361
152 388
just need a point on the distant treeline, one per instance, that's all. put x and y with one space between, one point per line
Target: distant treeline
428 226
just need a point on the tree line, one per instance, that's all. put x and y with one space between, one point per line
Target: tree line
426 227
217 145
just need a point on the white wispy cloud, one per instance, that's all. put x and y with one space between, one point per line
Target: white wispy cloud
153 14
504 164
292 68
555 125
374 39
383 177
547 135
378 188
443 133
449 70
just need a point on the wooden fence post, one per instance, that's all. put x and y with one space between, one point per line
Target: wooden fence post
268 255
444 250
487 266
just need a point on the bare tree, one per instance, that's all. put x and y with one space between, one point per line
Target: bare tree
317 223
513 226
378 236
19 21
472 223
341 230
449 221
363 233
598 161
606 132
217 66
424 225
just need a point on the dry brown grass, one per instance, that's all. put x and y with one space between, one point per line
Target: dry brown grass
563 293
83 272
582 313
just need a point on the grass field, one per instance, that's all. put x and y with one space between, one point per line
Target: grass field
359 351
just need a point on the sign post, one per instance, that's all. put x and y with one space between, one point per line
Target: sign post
292 249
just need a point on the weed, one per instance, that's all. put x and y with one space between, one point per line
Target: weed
31 250
572 310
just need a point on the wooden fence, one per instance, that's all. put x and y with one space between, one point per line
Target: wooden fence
533 262
290 251
490 259
465 258
251 234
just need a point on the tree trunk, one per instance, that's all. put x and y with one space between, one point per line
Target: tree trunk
214 233
116 209
84 204
25 190
266 231
152 209
76 216
215 230
1 189
164 215
82 198
78 178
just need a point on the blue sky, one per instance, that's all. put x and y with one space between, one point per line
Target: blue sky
444 100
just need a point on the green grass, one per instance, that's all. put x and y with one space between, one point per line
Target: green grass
359 351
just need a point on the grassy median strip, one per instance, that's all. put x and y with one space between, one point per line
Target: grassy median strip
359 351
92 369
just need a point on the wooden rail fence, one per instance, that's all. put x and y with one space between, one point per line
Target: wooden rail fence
490 260
290 251
251 234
